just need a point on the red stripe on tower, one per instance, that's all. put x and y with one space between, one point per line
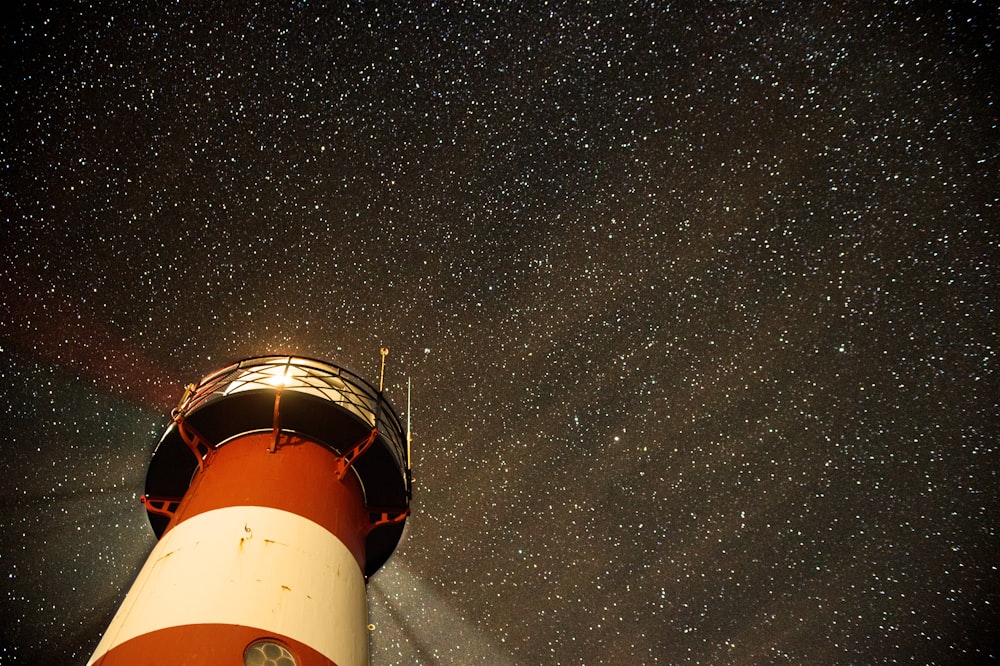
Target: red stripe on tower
280 486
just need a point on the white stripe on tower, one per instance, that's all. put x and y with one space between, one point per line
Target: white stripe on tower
266 569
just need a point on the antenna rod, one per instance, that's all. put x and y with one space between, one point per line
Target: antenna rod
409 437
381 373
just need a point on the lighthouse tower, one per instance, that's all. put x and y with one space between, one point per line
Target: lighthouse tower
280 486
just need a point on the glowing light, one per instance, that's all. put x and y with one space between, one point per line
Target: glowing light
277 376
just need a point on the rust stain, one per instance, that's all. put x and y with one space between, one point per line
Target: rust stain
166 555
246 528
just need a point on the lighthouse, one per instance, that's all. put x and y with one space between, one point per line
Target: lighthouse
280 486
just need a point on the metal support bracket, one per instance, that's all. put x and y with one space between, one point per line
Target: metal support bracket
276 430
200 447
387 518
160 505
354 453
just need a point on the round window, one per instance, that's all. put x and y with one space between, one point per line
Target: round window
268 653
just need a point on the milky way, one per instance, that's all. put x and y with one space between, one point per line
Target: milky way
697 302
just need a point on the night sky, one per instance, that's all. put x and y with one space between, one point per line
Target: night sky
698 301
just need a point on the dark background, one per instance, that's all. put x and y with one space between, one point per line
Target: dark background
697 299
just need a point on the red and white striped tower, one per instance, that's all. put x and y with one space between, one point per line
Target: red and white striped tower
281 485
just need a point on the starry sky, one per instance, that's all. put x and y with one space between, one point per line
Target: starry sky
697 299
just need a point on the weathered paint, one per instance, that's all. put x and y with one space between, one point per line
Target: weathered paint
247 566
263 545
300 477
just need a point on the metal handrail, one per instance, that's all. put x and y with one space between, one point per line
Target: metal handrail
304 375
